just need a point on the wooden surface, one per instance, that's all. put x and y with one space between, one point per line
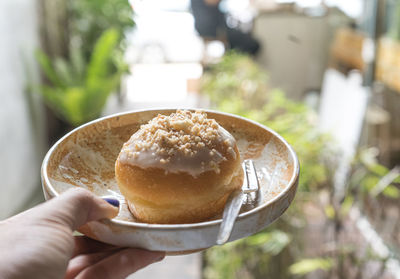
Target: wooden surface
388 63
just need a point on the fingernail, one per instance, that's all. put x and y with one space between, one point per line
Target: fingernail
113 202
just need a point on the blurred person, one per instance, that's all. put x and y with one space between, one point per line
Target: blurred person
210 23
39 242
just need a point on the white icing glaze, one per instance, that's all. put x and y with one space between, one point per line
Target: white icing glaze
178 162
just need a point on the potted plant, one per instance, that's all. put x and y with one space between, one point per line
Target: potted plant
78 89
76 85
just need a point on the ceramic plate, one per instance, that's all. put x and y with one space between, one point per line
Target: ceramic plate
85 158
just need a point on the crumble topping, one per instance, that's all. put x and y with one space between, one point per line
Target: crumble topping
182 138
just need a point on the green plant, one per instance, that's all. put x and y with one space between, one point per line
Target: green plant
252 257
76 86
89 18
306 266
286 249
368 176
79 89
238 85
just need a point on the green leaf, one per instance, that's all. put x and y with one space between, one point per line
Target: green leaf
97 96
391 191
270 242
99 65
78 64
306 266
47 68
63 71
54 97
72 103
369 182
378 169
330 211
346 205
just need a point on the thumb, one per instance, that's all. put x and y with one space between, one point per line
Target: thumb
76 207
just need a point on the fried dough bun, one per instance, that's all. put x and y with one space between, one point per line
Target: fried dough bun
178 169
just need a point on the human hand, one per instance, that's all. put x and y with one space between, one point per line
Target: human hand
39 243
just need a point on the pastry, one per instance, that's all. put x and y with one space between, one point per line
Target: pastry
179 168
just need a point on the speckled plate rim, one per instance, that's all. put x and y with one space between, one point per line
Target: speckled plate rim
291 183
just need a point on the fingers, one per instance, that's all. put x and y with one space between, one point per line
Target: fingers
99 258
85 245
79 263
77 207
121 264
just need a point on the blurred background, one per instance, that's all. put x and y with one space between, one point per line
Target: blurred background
325 74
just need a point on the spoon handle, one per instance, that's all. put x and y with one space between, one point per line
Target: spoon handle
235 200
231 211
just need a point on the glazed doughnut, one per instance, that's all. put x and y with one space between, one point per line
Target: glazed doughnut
178 169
